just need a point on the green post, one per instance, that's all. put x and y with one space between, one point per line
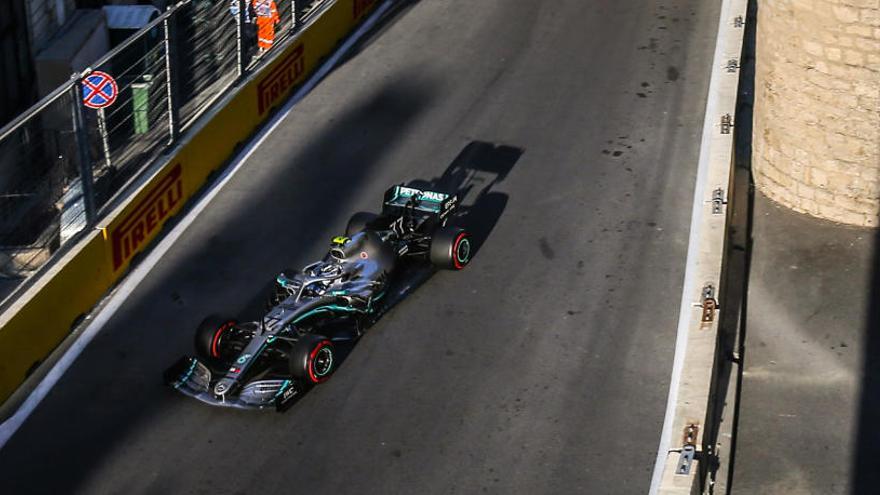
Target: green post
140 100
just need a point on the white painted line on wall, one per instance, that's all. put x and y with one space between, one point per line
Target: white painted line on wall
133 280
689 292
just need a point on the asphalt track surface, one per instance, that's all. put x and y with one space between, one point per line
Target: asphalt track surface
542 368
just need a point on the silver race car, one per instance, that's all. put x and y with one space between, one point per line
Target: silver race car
271 362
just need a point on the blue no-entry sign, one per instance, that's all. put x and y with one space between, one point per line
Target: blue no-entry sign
99 90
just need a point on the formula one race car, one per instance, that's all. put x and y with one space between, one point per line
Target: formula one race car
273 361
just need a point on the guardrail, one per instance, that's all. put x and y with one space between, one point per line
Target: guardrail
44 311
63 166
687 445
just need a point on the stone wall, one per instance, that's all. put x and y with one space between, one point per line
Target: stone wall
817 107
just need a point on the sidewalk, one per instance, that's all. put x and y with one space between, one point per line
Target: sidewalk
803 420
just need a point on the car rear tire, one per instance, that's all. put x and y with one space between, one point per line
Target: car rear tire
313 359
450 248
210 337
359 222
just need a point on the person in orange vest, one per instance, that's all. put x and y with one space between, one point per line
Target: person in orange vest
267 17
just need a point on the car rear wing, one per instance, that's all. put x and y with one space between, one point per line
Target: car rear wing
428 201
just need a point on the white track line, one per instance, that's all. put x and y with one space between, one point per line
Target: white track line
133 280
688 294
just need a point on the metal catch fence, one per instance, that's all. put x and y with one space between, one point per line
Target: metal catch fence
65 161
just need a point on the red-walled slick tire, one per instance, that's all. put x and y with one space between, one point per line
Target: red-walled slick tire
451 248
313 359
210 338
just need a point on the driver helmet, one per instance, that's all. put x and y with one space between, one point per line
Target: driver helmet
344 247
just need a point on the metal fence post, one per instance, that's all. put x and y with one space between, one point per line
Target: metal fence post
85 161
294 21
239 34
105 137
171 81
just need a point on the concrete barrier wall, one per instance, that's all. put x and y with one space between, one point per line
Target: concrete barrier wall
35 324
686 449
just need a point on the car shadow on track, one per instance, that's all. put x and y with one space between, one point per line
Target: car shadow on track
477 169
